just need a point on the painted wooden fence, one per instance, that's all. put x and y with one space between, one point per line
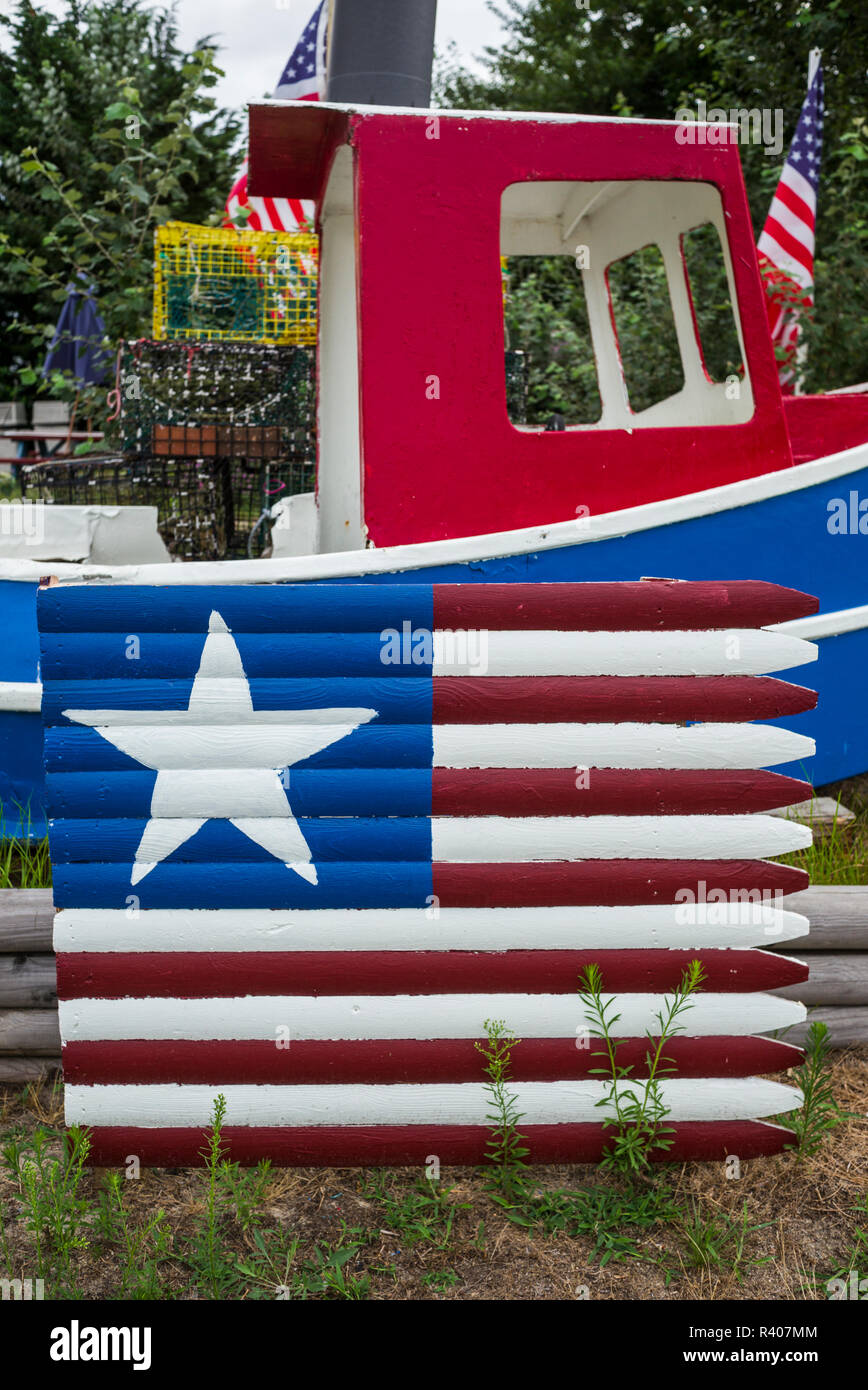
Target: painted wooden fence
307 839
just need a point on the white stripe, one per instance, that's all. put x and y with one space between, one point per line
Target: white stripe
288 220
258 206
793 224
468 1103
768 246
675 926
454 745
23 697
617 745
800 186
496 544
405 1016
514 839
827 624
732 652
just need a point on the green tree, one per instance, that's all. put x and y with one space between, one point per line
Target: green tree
107 128
652 57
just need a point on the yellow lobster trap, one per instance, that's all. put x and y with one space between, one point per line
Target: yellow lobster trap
225 283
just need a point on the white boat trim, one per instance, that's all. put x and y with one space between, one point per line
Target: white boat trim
20 697
826 624
462 549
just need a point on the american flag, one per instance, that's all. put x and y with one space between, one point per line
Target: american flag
306 839
786 245
302 79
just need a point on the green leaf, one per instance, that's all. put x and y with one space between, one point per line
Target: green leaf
118 111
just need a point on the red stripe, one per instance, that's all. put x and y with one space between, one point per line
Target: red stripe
607 699
329 1146
309 1062
273 214
297 210
642 606
231 974
795 204
605 791
788 243
610 881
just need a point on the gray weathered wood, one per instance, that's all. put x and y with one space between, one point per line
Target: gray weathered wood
838 980
823 813
28 982
18 1070
29 1032
847 1027
26 919
838 914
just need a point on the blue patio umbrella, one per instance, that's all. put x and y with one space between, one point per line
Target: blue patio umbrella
76 345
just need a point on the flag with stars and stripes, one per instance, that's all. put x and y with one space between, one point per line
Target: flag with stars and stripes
786 245
302 79
307 839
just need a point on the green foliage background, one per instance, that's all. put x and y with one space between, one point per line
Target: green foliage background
649 59
77 192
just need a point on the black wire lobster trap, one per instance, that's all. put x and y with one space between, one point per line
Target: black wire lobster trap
213 434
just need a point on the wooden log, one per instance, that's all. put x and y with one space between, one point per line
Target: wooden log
26 919
838 914
847 1027
29 1032
19 1070
27 982
837 980
824 814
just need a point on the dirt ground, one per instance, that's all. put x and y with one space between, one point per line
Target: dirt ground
808 1215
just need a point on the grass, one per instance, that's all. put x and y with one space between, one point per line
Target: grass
782 1230
841 854
24 862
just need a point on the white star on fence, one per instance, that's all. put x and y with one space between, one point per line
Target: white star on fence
221 759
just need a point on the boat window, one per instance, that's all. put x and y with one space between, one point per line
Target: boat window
551 374
711 303
620 310
645 327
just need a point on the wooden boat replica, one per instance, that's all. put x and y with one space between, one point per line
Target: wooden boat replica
421 473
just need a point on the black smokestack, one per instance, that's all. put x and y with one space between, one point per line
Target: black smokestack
381 51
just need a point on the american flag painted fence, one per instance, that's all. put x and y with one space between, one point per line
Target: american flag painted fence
307 839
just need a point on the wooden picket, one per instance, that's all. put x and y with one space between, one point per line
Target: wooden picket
459 838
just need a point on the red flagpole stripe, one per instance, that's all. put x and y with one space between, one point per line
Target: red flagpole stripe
789 243
607 699
424 1060
616 882
231 974
645 605
605 791
329 1146
790 199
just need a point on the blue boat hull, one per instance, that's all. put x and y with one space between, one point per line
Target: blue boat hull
790 538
